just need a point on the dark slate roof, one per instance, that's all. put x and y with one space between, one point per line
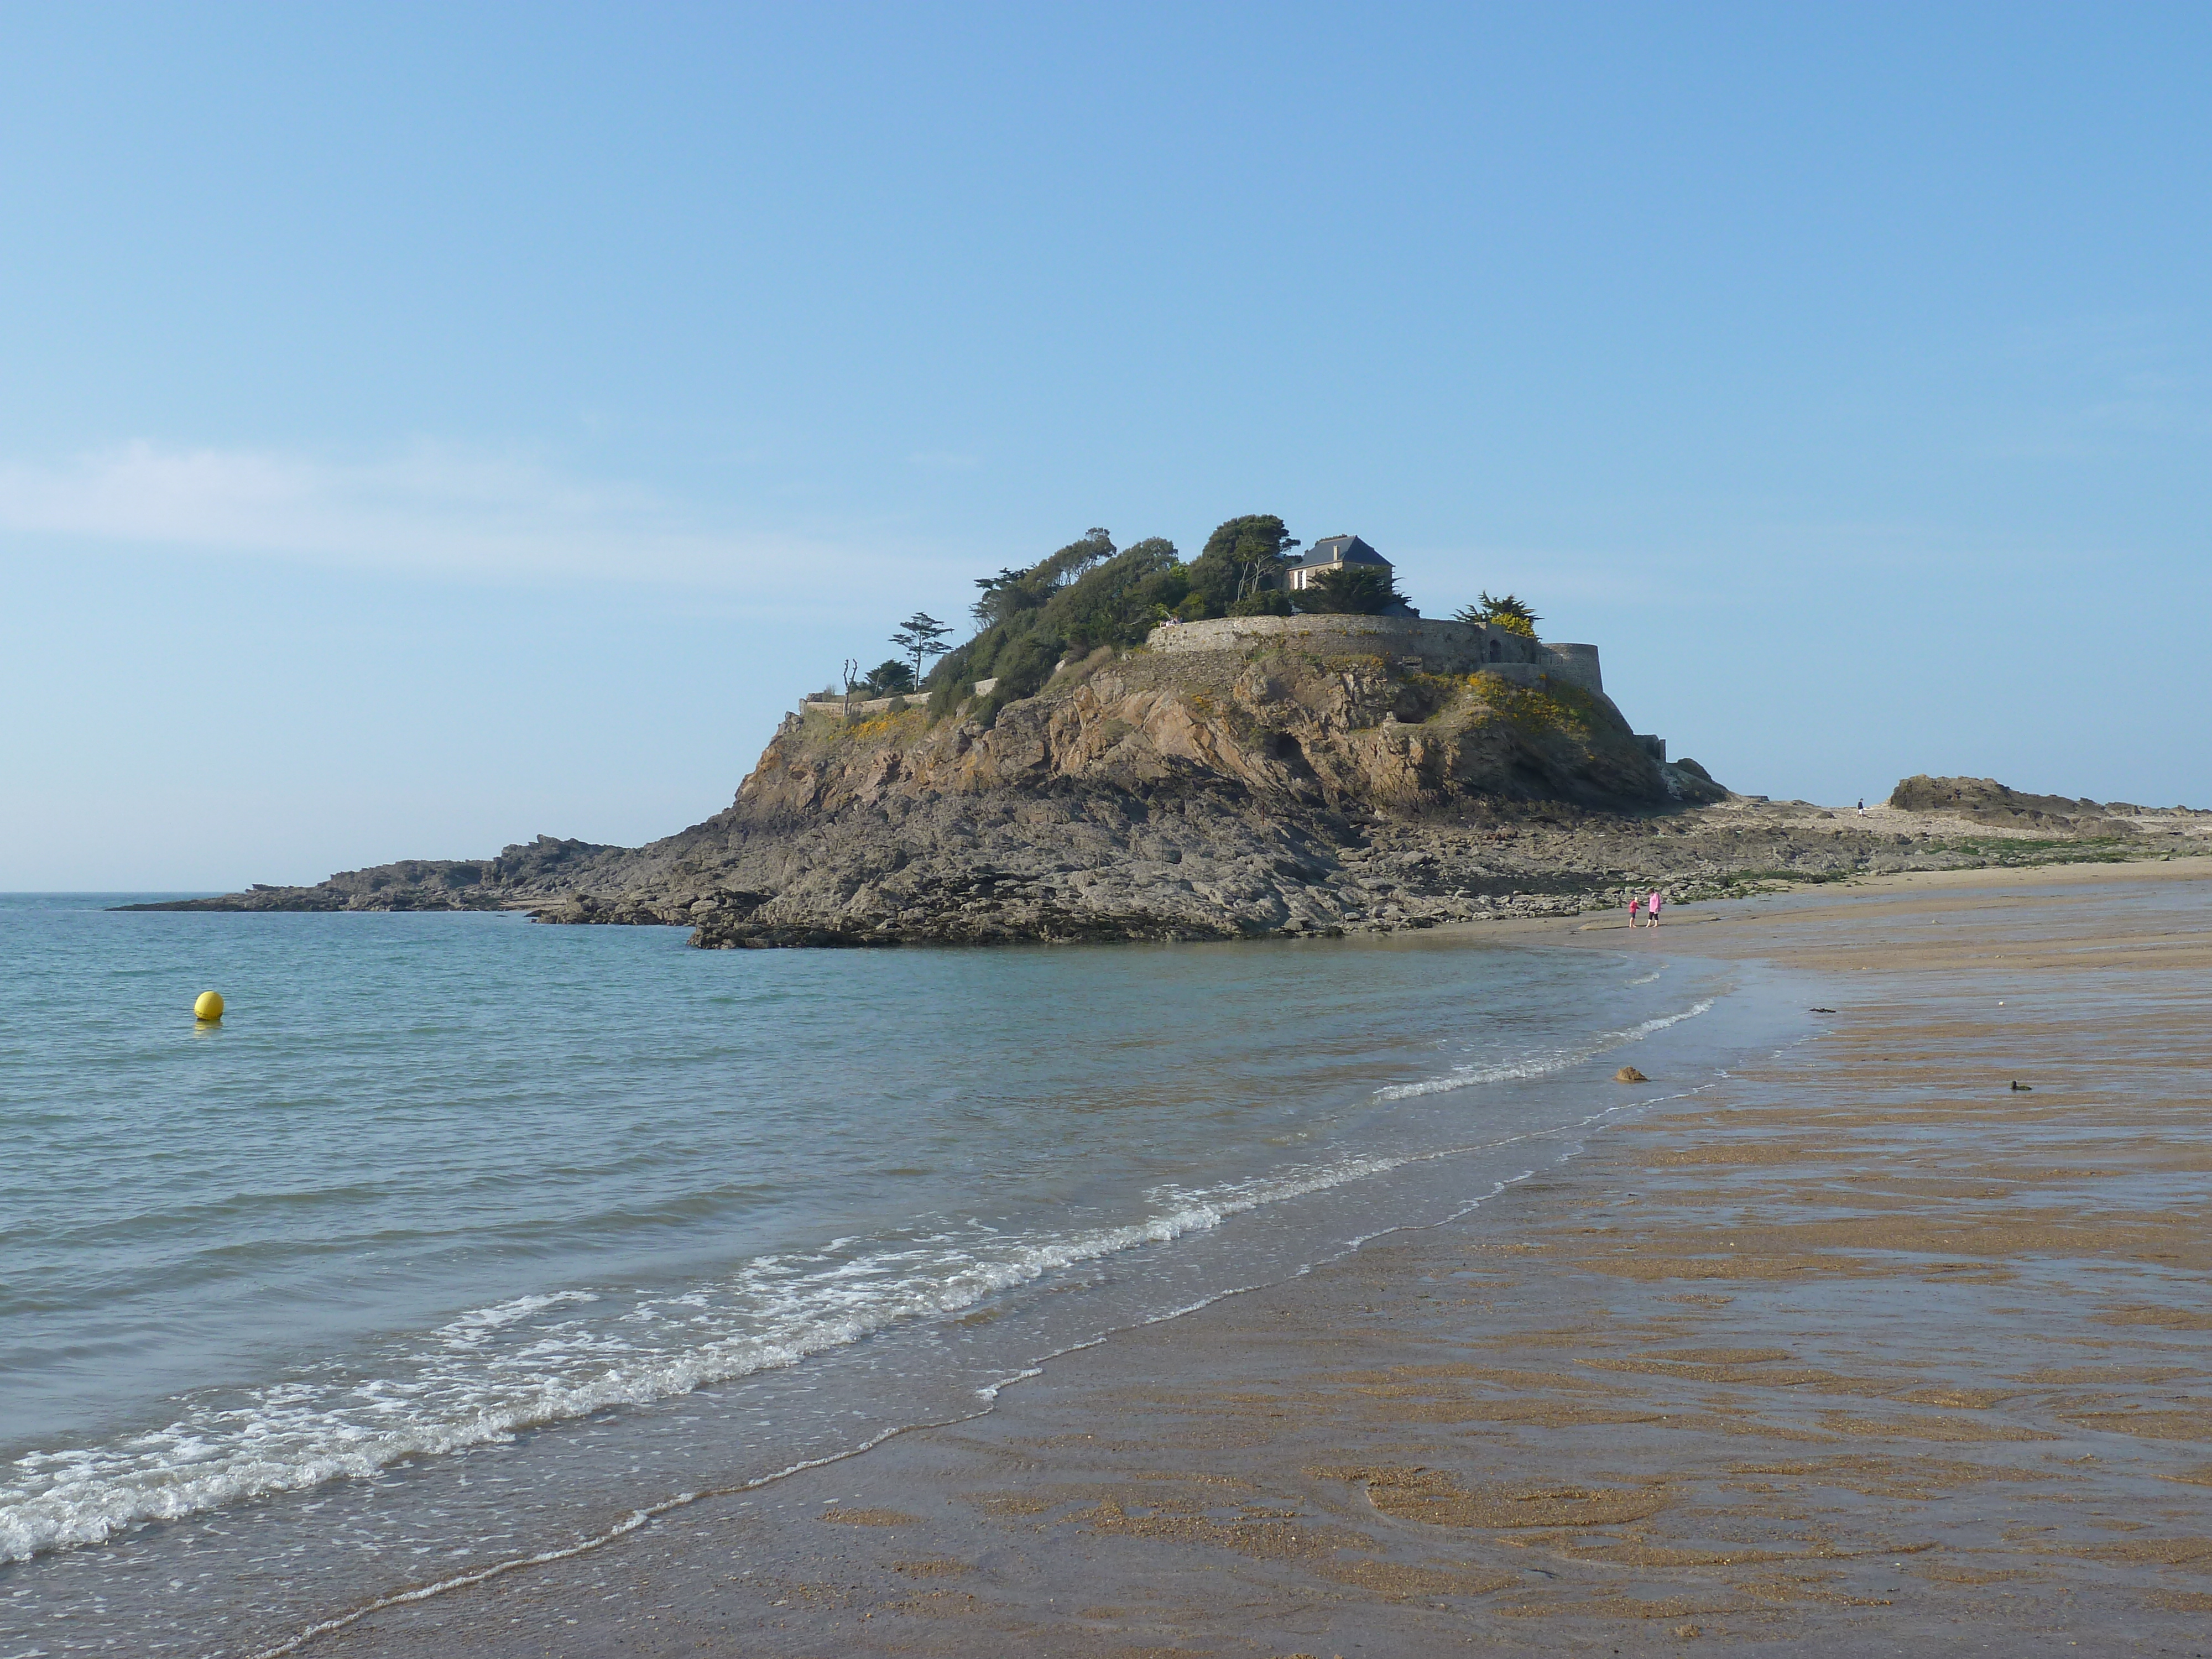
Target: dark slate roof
1347 549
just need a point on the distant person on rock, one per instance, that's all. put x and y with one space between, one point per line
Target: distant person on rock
1862 806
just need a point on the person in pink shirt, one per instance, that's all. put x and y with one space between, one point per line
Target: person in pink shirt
1652 905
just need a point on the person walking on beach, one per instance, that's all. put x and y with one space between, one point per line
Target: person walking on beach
1652 905
1636 910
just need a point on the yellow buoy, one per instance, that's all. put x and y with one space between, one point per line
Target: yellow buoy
209 1006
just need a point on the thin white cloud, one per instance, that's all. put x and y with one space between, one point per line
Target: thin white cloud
431 510
2106 380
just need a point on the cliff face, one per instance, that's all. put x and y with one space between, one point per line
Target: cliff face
1340 735
1205 795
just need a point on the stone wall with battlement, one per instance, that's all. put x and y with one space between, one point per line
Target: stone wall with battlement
1434 647
1440 647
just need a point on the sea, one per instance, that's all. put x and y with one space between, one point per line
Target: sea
462 1242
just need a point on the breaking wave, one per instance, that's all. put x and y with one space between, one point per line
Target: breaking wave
494 1371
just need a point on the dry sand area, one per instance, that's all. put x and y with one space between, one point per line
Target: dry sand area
1862 1351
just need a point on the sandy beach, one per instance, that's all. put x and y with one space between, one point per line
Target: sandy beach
1863 1350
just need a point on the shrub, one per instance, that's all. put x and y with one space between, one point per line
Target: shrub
888 679
1358 590
1088 594
1243 556
1508 613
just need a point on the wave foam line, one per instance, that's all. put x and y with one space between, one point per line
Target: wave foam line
1558 1060
989 1394
466 1392
292 1437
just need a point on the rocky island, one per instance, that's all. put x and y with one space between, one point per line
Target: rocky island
1106 760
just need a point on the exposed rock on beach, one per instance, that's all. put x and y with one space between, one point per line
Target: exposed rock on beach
545 866
1986 801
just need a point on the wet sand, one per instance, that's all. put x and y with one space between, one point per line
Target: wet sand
1862 1351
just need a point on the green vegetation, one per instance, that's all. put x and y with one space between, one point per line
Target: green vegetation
1086 595
1561 707
892 678
1241 561
1763 880
1355 590
1508 613
895 723
2009 850
918 638
1092 594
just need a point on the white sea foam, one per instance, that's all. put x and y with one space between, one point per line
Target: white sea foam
487 1373
988 1395
1539 1063
458 1389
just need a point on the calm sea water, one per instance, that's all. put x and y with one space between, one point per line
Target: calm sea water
461 1239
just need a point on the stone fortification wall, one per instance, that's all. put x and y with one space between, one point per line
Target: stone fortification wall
1440 648
872 706
1444 647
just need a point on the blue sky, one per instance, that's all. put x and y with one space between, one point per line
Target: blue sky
425 427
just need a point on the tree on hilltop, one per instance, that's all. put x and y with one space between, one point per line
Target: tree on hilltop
1012 591
1001 597
1243 556
890 678
1079 555
918 637
1508 613
1358 590
1086 595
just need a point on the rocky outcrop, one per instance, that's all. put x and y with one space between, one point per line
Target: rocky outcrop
1209 795
1985 801
545 868
1225 794
1199 794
